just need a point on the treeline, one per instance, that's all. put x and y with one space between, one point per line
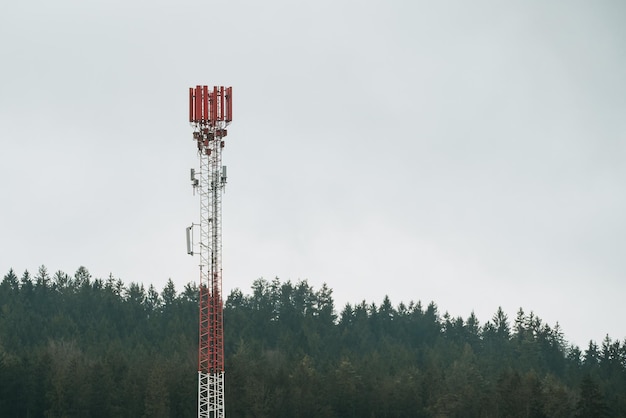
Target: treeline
74 346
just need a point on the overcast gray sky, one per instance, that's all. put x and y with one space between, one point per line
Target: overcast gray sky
469 153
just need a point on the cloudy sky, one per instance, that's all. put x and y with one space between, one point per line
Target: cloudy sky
469 153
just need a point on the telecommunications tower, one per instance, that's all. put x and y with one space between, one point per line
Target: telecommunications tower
210 112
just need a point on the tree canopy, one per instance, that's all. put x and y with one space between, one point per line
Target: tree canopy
75 346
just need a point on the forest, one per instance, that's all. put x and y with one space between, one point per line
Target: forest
78 346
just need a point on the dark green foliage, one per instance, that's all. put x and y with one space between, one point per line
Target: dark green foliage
591 401
75 346
79 347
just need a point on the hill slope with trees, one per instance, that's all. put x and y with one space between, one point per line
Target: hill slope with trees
74 346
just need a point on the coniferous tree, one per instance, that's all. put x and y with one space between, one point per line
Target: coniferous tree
83 346
591 401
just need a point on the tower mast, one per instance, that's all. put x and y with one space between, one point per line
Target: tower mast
210 112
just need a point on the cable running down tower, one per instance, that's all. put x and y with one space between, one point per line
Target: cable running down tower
210 112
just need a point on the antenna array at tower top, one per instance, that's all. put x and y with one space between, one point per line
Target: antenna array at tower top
206 106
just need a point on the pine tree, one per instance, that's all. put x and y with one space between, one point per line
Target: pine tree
591 403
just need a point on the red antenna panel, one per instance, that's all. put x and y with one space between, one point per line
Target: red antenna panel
210 106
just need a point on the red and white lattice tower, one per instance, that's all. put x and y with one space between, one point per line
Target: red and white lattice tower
210 112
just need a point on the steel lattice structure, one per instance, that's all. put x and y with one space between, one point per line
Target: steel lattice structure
210 111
